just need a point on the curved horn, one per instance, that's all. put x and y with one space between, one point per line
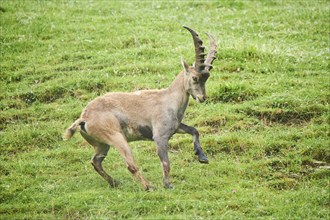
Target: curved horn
199 50
211 55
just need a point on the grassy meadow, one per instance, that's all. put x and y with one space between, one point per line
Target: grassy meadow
264 127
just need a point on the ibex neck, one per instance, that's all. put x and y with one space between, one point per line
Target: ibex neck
178 97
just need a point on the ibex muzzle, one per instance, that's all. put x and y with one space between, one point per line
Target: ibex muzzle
115 119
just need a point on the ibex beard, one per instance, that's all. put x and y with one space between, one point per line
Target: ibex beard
115 119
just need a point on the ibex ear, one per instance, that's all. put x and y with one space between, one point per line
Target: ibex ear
184 65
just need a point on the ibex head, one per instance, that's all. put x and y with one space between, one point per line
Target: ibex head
197 75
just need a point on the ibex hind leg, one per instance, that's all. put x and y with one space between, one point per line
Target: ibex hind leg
100 152
120 143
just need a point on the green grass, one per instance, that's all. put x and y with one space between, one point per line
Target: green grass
265 126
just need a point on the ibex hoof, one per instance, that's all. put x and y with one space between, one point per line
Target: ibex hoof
168 186
203 159
150 189
114 183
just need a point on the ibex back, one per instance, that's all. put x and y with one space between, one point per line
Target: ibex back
114 119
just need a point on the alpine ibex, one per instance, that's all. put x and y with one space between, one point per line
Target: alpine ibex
116 118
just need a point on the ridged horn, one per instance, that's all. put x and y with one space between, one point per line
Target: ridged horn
211 55
199 50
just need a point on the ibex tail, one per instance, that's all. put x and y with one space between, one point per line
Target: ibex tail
72 129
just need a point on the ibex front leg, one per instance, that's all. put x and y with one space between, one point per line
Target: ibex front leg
197 146
162 151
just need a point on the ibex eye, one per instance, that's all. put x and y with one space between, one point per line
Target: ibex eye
195 78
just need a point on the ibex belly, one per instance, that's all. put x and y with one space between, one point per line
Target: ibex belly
135 133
